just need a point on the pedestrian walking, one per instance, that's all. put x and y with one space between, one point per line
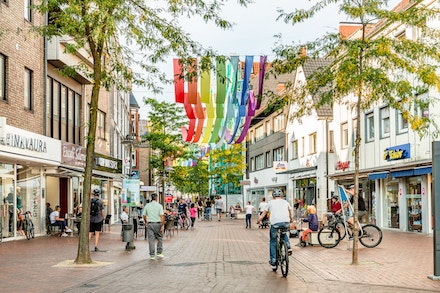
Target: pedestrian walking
193 214
154 218
219 207
96 217
249 209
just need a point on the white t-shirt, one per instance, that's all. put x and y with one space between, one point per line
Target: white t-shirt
249 208
124 217
53 215
262 206
279 211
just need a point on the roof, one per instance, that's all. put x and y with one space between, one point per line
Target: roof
311 66
133 102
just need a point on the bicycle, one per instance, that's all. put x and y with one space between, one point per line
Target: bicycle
282 254
28 226
183 221
329 236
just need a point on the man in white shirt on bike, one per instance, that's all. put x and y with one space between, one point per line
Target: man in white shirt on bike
280 217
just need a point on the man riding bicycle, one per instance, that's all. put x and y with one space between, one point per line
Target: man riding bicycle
280 217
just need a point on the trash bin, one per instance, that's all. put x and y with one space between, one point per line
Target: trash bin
127 233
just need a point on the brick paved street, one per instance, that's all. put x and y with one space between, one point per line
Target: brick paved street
217 257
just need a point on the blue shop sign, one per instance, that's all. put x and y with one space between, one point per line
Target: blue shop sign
397 152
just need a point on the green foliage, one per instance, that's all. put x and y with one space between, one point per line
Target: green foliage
372 67
192 180
375 66
227 164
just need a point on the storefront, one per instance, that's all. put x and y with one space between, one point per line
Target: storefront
25 159
404 191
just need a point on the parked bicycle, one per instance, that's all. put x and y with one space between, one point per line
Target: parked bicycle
282 254
329 236
28 226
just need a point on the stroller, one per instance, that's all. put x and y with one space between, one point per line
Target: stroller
265 222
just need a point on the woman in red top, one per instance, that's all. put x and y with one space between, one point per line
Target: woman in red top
336 208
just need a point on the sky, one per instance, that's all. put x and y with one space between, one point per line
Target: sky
252 34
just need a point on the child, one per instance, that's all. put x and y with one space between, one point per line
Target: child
193 214
312 219
232 212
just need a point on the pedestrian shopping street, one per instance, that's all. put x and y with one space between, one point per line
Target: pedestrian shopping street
216 257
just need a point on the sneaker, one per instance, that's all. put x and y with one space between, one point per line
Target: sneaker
152 257
69 230
64 235
97 249
160 255
289 251
273 267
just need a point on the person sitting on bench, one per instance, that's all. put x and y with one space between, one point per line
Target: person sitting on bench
312 219
55 220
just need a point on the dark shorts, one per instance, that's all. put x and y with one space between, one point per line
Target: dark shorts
219 211
95 227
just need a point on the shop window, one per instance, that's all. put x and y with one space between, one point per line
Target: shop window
414 203
392 199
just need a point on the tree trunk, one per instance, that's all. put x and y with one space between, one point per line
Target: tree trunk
83 255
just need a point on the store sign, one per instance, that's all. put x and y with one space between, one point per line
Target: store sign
280 166
73 155
107 164
342 165
24 142
397 152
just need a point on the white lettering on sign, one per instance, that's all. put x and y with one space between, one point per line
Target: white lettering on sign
73 153
107 163
26 143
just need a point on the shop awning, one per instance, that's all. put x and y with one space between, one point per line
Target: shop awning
423 170
402 173
378 175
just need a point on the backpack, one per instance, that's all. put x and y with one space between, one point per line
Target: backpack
94 207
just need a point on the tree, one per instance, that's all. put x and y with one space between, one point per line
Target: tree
227 165
193 179
369 67
113 32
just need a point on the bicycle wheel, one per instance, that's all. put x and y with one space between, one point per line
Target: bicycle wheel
186 223
27 229
284 259
31 229
371 236
329 237
341 228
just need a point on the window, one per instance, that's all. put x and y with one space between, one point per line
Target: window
268 160
294 149
385 122
259 133
278 123
251 137
344 135
312 143
402 123
63 107
3 77
28 10
252 164
268 128
369 124
353 136
28 89
259 162
302 147
278 154
331 136
100 125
